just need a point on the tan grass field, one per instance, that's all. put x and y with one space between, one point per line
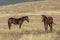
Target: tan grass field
34 30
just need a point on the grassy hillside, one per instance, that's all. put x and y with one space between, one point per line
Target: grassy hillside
36 6
34 30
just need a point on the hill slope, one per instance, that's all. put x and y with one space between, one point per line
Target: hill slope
46 5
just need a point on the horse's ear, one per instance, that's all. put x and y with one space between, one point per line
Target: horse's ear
26 16
43 15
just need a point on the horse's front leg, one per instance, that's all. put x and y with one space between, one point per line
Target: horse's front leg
20 24
46 27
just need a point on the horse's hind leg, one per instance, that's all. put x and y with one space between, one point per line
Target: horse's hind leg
51 27
9 25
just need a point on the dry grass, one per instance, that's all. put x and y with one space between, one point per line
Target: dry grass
34 30
50 5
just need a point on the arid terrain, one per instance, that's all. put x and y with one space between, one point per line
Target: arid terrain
34 30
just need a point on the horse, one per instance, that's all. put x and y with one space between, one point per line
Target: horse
48 21
17 21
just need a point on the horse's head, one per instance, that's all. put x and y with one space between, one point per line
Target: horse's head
26 18
43 18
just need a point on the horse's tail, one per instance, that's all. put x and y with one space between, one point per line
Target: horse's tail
53 22
9 24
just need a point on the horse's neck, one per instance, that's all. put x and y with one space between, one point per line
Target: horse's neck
22 19
45 19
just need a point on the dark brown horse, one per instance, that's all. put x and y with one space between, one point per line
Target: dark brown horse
16 21
48 21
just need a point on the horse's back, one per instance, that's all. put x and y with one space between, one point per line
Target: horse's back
50 19
11 18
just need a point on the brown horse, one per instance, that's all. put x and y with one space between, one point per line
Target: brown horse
16 21
48 21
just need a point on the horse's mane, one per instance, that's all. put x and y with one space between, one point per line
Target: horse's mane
23 17
44 17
